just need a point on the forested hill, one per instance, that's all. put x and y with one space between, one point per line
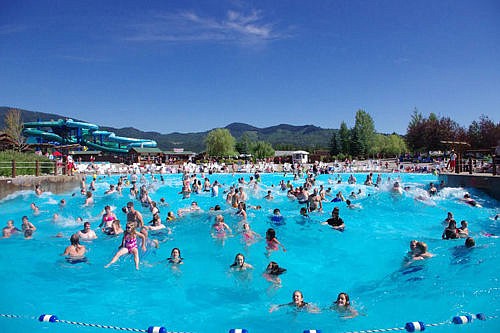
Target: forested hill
281 137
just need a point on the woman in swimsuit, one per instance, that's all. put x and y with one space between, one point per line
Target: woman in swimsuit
343 306
129 245
273 270
249 236
239 263
175 257
107 220
297 303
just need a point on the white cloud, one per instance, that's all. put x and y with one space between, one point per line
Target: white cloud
238 27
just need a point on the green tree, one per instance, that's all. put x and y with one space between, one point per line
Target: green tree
220 143
483 134
365 131
244 144
262 149
334 144
415 130
14 128
356 147
344 138
395 145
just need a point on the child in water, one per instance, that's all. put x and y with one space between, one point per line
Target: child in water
272 243
343 306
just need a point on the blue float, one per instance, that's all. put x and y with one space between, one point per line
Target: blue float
47 318
157 329
459 320
238 330
415 326
481 316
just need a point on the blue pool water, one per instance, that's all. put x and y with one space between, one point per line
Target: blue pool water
366 261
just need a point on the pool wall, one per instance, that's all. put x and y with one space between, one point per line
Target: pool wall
54 184
488 184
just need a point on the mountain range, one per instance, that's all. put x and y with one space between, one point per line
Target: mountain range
281 137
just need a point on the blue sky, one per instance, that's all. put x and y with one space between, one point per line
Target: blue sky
189 66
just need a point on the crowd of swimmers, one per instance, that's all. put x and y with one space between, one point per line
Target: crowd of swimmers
135 234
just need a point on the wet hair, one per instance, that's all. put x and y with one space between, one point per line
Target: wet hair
274 269
217 207
75 239
348 202
421 246
235 263
276 211
175 248
270 234
470 242
347 302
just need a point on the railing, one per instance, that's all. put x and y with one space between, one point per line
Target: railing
473 166
33 168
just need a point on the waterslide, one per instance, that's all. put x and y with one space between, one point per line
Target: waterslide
86 134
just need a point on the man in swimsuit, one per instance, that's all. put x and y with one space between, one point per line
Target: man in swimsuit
86 233
133 216
335 221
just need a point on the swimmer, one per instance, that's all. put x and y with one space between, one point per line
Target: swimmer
239 263
75 251
38 190
129 246
470 242
463 231
451 231
335 221
249 236
219 228
272 273
303 212
116 228
468 200
269 196
86 233
133 216
297 303
277 218
27 225
350 205
170 216
107 219
111 189
242 207
35 209
175 257
343 306
28 233
420 252
89 200
272 243
9 229
193 208
448 218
